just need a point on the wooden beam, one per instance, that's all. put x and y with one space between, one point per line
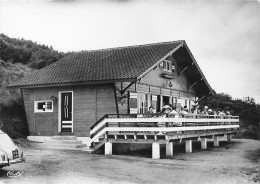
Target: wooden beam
186 68
123 91
201 98
145 137
192 85
138 141
171 139
155 137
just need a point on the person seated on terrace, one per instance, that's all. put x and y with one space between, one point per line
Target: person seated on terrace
221 114
178 110
173 113
167 107
194 113
210 113
165 112
215 113
184 111
151 109
185 108
198 111
205 110
228 115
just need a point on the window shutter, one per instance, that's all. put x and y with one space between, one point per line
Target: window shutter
132 102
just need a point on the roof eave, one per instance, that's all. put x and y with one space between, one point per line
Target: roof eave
74 83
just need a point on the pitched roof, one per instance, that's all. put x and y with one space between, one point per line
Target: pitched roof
122 63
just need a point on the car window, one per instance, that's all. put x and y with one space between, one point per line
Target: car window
6 142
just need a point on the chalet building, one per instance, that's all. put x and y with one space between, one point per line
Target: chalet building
69 96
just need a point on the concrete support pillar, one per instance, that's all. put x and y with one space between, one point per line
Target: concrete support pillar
216 141
108 148
229 137
156 150
188 146
203 143
169 149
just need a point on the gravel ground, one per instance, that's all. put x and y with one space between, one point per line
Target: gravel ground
235 162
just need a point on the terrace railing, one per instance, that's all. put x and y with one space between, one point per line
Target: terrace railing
154 123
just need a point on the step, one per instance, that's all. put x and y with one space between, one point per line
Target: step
88 150
57 148
64 138
62 146
63 142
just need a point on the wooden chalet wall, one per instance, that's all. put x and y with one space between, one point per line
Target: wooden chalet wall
90 103
154 84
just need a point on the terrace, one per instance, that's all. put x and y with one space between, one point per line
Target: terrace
154 129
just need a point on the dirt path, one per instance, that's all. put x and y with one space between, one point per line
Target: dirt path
236 162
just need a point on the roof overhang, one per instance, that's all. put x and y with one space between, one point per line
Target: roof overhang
203 86
75 83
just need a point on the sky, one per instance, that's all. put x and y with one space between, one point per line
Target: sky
223 36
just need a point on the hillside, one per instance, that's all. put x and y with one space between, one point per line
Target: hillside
19 57
27 52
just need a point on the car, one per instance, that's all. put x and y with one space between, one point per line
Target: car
9 152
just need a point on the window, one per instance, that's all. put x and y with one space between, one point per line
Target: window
167 66
155 103
43 106
142 103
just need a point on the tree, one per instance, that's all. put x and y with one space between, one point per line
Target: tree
247 110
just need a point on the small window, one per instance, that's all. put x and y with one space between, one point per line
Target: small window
43 106
167 65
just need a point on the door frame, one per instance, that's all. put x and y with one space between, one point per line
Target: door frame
59 110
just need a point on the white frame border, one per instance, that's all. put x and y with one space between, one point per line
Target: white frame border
37 111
